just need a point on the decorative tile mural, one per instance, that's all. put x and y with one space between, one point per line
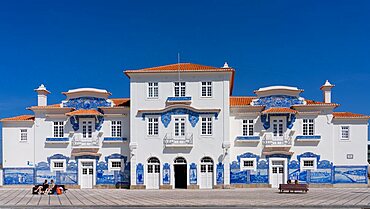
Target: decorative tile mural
350 174
193 173
18 176
139 174
220 173
166 173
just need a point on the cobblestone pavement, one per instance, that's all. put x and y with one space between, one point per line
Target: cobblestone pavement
258 198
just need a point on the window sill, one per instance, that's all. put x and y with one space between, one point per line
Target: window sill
308 138
247 138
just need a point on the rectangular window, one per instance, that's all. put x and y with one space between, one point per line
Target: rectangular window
23 134
58 129
179 127
308 127
116 128
207 89
153 126
247 164
248 128
152 90
87 129
116 164
180 90
206 125
58 164
345 132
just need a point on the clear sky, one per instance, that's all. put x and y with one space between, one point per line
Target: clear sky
71 44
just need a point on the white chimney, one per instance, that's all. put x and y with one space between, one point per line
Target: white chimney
42 95
326 90
226 65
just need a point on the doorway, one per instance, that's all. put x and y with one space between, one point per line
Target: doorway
180 172
277 173
153 177
206 173
87 174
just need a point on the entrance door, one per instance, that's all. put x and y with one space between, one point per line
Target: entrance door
277 173
206 173
153 177
180 172
87 174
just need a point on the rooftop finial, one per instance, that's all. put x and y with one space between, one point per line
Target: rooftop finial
226 65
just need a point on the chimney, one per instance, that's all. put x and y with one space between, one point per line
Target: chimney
326 90
42 95
226 65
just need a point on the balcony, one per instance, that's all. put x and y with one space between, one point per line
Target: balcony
57 140
269 140
171 141
79 142
247 139
178 100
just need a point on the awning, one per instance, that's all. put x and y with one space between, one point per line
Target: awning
84 112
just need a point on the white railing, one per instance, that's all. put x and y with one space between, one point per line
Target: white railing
178 141
269 139
79 141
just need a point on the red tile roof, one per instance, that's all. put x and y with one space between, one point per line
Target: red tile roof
121 102
350 115
184 67
84 112
19 118
237 101
312 102
279 110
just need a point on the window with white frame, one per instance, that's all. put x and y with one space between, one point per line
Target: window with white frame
23 135
248 127
152 90
180 89
116 128
248 164
308 127
58 165
206 125
308 164
207 89
115 165
344 132
153 126
58 129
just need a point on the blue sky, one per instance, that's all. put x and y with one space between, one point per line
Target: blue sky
71 44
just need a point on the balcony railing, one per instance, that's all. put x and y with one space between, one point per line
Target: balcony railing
269 140
79 142
178 141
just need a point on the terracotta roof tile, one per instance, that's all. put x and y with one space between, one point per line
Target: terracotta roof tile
84 112
121 102
184 67
237 101
349 115
19 118
279 110
312 102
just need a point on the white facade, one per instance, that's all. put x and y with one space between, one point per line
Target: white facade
182 129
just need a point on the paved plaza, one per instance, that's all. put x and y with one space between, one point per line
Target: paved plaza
247 198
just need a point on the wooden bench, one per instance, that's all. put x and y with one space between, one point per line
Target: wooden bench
293 187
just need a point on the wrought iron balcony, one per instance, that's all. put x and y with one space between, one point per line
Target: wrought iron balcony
269 140
79 142
178 141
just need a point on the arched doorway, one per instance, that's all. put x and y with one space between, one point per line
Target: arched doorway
180 168
153 176
206 173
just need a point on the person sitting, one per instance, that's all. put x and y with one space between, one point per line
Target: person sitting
296 182
289 181
52 187
42 188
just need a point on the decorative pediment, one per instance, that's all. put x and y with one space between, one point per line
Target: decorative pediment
58 156
248 155
116 156
87 103
308 155
278 101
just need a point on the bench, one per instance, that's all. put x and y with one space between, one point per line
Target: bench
293 187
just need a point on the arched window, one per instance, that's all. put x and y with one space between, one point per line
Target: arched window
206 160
180 160
153 160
